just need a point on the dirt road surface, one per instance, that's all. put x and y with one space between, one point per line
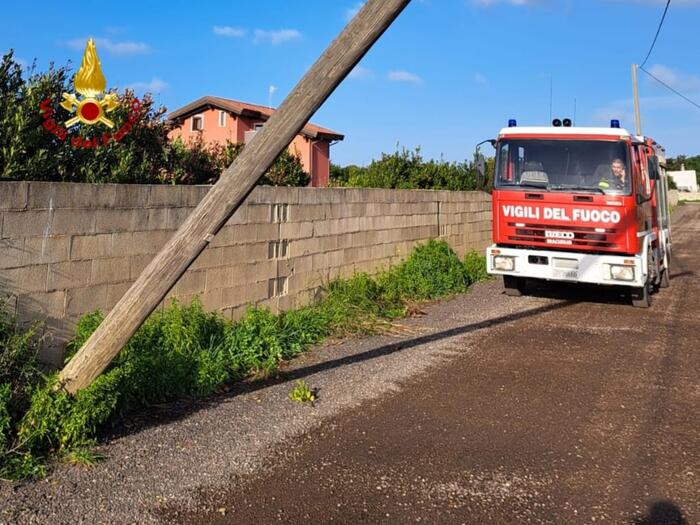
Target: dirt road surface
567 406
588 411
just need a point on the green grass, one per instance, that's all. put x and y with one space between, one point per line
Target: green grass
185 352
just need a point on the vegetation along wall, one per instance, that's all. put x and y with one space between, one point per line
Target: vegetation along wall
67 249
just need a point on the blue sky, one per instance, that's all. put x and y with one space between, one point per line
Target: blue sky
447 74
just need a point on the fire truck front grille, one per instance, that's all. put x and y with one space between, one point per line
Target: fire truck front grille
563 235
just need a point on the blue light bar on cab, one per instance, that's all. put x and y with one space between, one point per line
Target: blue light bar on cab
614 123
512 123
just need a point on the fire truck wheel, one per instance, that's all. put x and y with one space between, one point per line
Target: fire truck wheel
514 286
665 280
641 297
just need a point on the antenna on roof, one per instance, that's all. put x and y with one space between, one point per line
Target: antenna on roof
270 91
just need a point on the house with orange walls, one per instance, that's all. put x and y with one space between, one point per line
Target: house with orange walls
215 119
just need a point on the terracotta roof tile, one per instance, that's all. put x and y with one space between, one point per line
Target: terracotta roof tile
242 108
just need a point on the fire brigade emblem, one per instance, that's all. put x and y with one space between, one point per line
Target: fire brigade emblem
90 83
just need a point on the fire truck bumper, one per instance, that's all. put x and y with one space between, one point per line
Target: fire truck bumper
625 270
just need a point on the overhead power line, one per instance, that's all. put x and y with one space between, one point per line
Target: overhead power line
657 34
669 87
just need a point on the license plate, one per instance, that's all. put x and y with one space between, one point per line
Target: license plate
565 274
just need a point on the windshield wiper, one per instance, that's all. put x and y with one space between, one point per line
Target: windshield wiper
561 187
524 185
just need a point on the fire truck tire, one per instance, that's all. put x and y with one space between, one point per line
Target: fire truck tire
665 280
514 286
641 297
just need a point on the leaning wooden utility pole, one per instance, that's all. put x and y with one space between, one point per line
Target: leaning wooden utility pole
224 198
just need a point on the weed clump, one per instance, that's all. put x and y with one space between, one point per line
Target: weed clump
185 352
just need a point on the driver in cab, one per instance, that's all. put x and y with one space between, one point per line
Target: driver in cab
617 179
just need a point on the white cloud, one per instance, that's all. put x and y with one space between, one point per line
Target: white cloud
114 48
156 85
352 11
360 72
404 76
276 37
677 80
481 79
228 31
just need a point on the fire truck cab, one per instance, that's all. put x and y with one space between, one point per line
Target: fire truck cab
580 204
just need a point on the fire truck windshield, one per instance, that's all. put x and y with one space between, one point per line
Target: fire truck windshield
563 165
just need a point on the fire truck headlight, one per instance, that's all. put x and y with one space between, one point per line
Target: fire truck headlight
622 273
504 263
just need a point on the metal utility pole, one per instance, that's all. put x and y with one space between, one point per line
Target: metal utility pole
635 93
224 198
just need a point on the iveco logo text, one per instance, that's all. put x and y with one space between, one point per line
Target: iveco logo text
561 214
558 235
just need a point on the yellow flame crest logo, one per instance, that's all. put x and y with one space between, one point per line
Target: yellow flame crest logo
90 83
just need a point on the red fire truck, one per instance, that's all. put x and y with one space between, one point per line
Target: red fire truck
579 204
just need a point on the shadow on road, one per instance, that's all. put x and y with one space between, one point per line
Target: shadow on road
662 513
182 408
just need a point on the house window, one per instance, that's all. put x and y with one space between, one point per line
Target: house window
258 127
222 119
198 123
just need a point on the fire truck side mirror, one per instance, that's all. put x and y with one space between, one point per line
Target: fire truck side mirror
480 166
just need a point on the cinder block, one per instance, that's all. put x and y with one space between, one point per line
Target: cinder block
115 292
91 246
109 270
39 306
192 282
259 213
211 300
250 233
302 264
226 236
138 243
252 273
114 220
245 253
13 195
71 274
274 195
218 278
39 250
296 230
72 222
321 195
12 253
81 301
177 216
209 258
240 295
61 195
166 195
27 279
156 219
240 216
18 224
137 264
311 245
193 195
133 195
342 210
307 212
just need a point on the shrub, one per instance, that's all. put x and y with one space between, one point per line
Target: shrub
183 351
475 267
144 155
406 169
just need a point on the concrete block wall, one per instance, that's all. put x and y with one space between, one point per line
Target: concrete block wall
69 249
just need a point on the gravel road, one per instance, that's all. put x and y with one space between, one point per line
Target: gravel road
567 406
